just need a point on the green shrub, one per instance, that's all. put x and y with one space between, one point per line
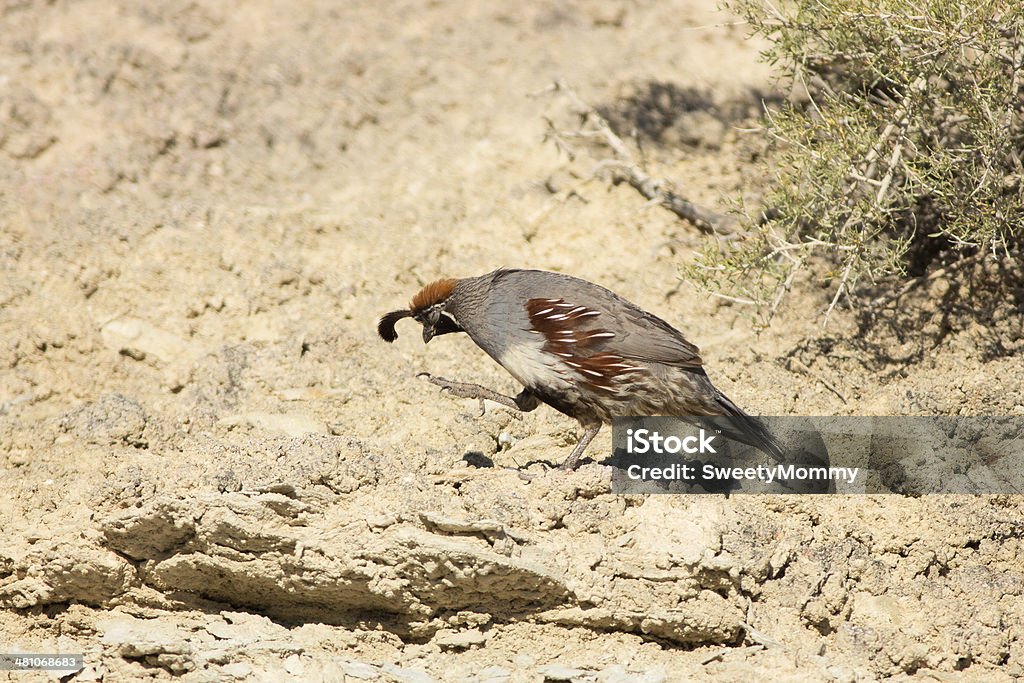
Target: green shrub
903 142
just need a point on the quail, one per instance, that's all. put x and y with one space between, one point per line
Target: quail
576 346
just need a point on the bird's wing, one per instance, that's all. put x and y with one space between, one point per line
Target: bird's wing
646 337
588 331
638 335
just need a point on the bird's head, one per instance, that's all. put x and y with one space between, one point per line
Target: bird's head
428 308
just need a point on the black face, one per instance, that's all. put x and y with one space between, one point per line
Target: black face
434 319
428 317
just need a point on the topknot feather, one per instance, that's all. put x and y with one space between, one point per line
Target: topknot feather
434 293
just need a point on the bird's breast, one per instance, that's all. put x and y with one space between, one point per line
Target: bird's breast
532 365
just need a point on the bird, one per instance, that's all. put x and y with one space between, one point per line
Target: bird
577 347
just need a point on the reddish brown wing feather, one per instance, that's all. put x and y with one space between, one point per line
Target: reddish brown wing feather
434 293
570 334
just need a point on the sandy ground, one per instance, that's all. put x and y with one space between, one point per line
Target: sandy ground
213 469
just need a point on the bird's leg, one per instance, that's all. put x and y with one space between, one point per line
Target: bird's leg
577 453
524 402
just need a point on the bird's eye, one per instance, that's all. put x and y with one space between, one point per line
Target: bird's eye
428 317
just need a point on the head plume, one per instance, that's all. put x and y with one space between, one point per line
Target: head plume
386 326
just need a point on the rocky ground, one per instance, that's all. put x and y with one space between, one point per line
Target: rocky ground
213 469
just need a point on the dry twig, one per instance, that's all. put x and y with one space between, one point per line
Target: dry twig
623 168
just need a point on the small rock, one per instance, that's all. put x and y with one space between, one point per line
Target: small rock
460 640
222 631
360 670
138 339
135 638
114 419
525 661
557 672
237 670
494 674
406 675
293 665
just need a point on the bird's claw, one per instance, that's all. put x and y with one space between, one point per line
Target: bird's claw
445 384
453 388
463 390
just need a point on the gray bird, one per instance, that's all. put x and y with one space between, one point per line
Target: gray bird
576 346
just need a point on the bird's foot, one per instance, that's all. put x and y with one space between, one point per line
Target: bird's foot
466 390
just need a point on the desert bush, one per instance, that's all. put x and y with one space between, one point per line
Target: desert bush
901 144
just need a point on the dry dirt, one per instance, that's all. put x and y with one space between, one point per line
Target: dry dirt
213 469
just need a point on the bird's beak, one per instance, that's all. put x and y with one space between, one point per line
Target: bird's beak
428 333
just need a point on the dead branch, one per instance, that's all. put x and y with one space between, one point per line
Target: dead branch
624 169
844 283
654 190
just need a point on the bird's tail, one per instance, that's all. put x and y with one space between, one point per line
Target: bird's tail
748 429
